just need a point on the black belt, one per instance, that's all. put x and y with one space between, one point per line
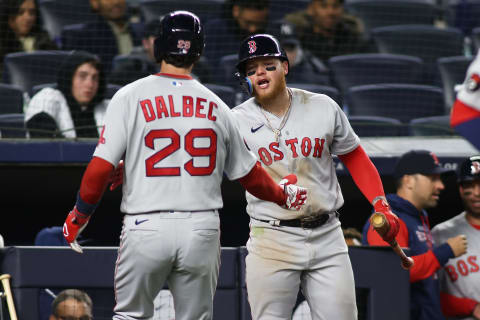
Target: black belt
310 222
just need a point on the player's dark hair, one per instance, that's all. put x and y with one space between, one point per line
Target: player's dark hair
180 61
76 294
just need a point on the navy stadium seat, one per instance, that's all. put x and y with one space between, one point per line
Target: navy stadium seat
12 125
452 72
426 42
56 14
316 88
431 126
372 68
374 126
226 93
399 101
29 69
12 99
380 13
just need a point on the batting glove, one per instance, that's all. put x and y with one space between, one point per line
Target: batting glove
295 196
73 226
381 205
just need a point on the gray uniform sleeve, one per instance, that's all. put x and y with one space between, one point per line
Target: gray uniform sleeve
113 140
345 139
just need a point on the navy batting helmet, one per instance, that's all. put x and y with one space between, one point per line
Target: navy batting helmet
259 45
181 34
470 169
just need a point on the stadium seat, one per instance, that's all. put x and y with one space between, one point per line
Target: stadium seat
12 99
475 37
371 68
227 94
129 68
12 125
399 101
381 13
373 126
29 69
464 14
56 14
431 126
227 70
452 73
426 42
205 9
327 90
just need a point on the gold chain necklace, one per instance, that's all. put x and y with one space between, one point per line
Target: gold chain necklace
278 131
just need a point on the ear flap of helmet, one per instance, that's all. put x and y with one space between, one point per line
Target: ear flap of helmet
245 83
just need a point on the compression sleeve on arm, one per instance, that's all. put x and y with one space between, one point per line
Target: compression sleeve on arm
364 173
259 183
453 306
94 182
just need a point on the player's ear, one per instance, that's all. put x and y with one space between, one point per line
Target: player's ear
285 67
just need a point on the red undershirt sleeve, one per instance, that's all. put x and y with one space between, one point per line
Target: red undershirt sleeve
453 306
95 180
364 173
259 183
424 265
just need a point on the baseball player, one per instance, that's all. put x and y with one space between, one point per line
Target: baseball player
292 130
460 277
465 116
177 139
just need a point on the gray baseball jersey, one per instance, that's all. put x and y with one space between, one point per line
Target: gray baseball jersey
460 276
315 130
178 139
280 260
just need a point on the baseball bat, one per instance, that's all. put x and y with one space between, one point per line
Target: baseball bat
380 224
5 279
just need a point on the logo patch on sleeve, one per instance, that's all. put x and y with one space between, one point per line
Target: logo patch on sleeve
473 83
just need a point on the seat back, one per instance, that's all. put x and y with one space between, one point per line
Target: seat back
452 72
399 101
380 13
58 13
205 9
374 126
12 125
226 93
372 68
29 69
316 88
426 42
12 99
431 126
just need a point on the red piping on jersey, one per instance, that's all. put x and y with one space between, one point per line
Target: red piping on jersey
476 226
364 173
259 183
177 76
95 180
462 112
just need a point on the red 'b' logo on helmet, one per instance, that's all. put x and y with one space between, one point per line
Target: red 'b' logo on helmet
252 46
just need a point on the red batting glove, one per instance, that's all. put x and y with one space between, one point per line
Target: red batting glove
381 205
73 226
295 196
116 178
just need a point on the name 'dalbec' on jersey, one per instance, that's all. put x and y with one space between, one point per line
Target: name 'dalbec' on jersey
191 107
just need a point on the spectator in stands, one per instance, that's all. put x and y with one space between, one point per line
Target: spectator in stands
325 29
224 34
418 174
110 35
72 304
76 106
352 236
20 30
303 66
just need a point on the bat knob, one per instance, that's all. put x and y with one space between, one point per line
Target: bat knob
407 263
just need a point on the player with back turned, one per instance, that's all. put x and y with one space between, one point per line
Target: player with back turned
177 139
460 277
292 130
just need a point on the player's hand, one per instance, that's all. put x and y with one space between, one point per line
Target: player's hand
295 196
476 311
116 178
381 205
73 226
458 244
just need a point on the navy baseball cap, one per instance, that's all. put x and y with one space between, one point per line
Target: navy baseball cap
419 161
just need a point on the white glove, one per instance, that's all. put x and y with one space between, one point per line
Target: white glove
295 196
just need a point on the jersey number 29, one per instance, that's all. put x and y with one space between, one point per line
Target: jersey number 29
210 152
